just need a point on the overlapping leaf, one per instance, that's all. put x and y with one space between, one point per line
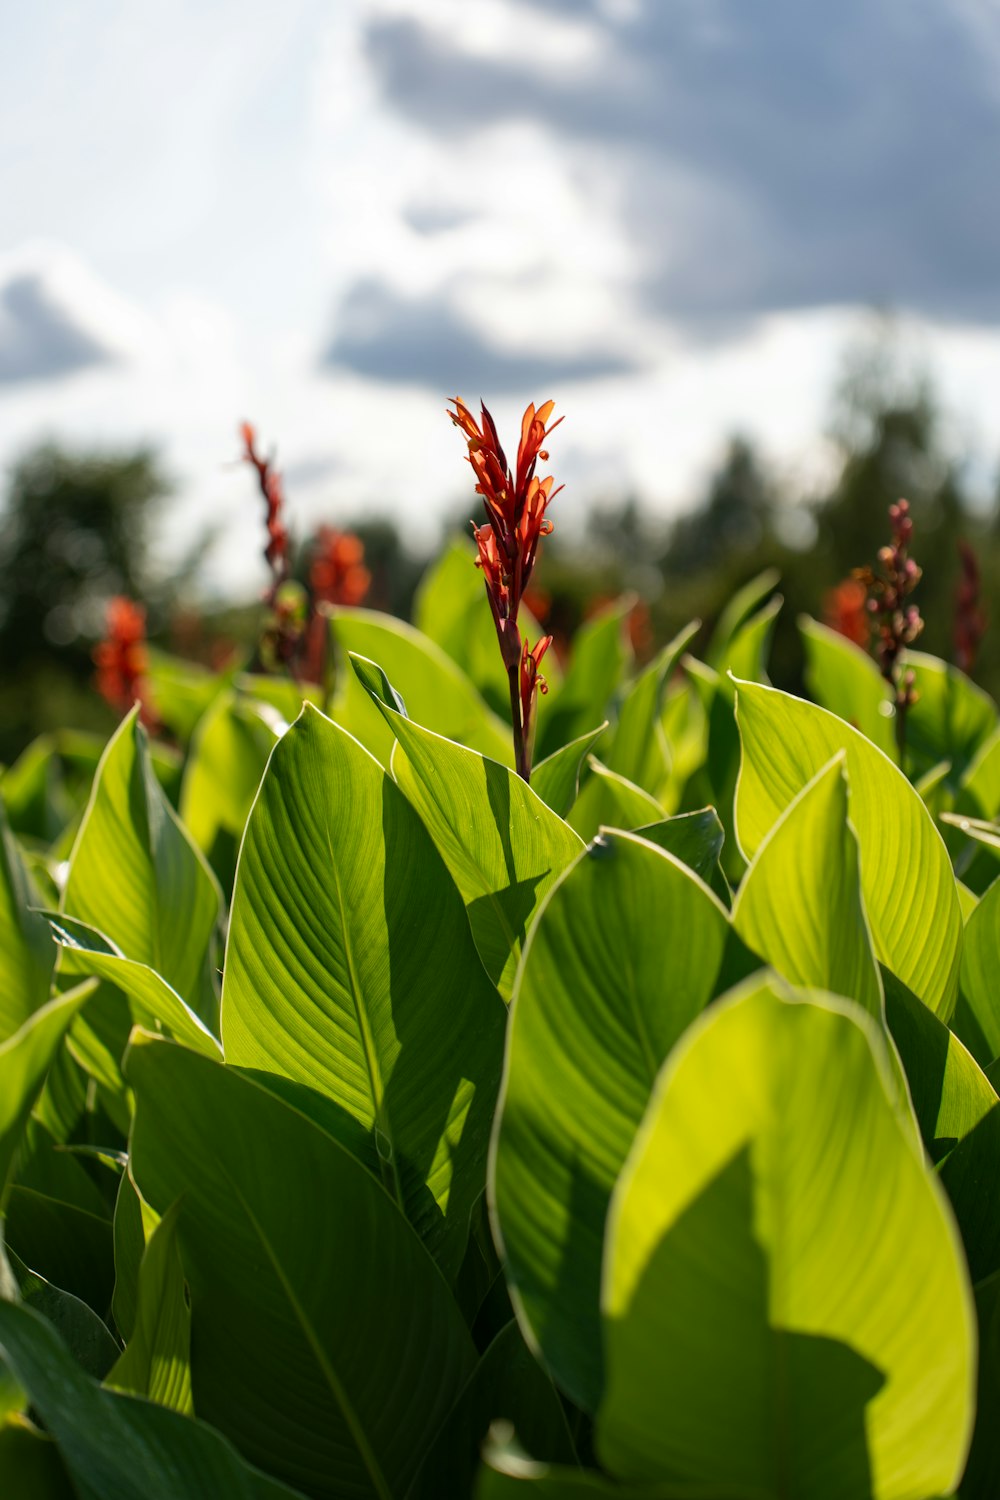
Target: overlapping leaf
350 968
503 846
786 1306
325 1342
623 956
137 877
906 875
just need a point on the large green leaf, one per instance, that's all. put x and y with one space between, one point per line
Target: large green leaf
79 1327
26 950
223 771
324 1340
958 1112
152 1001
436 692
624 954
845 679
556 779
977 1019
981 1480
786 1304
157 1361
744 604
136 876
508 1473
607 800
507 1384
906 875
116 1447
25 1059
503 845
747 653
182 691
952 718
800 907
638 750
596 667
696 839
350 967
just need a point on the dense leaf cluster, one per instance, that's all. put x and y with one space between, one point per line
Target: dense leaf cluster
632 1133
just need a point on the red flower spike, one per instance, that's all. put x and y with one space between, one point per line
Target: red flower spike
269 480
121 660
516 520
898 623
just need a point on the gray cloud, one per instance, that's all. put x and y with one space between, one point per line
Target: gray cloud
387 337
39 338
786 155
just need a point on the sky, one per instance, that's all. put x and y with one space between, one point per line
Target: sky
671 216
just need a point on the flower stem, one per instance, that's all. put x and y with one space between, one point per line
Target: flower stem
522 754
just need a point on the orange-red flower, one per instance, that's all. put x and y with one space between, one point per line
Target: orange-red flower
516 502
272 490
845 610
121 659
337 572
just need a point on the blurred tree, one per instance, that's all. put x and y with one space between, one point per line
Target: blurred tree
73 532
887 431
735 517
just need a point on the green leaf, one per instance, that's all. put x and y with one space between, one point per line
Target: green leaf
609 801
503 846
26 950
845 680
153 1003
136 876
746 655
800 907
508 1384
30 1466
638 750
58 1220
557 778
25 1059
977 1020
957 1110
434 689
783 1277
79 1327
350 968
744 603
695 838
508 1473
156 1362
182 691
117 1447
906 875
981 1480
129 1245
952 718
623 956
982 777
223 771
324 1341
595 671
